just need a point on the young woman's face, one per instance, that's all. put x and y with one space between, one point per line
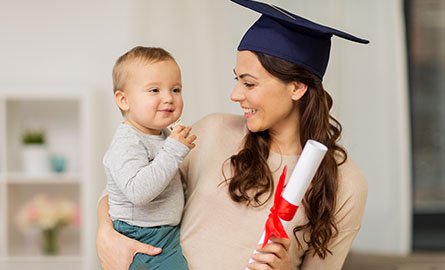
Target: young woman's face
267 102
153 95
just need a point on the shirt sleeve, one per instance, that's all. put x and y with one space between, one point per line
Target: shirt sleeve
140 179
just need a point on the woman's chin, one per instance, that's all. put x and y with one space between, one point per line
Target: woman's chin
254 128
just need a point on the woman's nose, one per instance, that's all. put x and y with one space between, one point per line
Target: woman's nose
237 94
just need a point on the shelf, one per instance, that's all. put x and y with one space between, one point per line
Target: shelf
25 192
429 206
50 178
39 259
26 250
39 263
59 119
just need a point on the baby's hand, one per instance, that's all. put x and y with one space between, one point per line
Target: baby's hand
182 134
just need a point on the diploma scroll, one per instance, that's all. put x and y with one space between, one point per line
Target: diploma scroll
286 202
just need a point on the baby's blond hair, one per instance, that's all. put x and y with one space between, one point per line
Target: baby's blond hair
145 55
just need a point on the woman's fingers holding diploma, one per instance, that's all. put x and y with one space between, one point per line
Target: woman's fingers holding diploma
275 255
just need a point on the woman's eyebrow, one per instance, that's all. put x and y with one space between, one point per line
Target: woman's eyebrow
244 75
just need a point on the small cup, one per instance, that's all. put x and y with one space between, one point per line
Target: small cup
58 163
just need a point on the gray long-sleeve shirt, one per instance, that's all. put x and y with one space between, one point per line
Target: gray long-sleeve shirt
143 180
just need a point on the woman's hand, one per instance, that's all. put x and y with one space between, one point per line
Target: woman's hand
115 250
274 255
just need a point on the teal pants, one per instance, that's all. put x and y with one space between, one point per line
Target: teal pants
165 237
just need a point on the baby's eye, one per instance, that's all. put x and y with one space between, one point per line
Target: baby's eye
177 90
153 90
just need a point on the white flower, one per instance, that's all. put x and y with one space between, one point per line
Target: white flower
46 213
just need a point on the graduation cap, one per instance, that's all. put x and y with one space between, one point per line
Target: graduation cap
290 37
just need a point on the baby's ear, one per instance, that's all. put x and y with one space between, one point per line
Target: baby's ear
121 100
299 89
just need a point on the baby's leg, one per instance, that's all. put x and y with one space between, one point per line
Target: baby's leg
165 237
171 256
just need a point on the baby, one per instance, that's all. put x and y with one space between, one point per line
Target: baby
146 196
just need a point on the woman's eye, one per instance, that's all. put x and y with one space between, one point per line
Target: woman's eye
246 84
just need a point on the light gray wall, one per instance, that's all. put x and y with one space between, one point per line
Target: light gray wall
75 43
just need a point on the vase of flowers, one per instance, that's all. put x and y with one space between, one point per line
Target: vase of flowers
50 245
49 215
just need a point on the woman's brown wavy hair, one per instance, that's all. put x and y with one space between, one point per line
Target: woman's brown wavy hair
252 176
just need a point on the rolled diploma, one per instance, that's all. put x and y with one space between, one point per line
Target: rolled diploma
307 165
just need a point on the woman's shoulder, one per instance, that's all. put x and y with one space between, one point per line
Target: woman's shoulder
351 196
351 177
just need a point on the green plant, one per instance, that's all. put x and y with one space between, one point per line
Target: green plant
33 137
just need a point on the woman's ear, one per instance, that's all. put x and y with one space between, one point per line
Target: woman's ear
121 100
298 90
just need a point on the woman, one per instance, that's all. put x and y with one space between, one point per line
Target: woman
232 172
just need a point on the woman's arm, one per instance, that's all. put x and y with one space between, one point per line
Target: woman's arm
115 250
351 200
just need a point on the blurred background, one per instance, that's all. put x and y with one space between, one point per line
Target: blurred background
56 106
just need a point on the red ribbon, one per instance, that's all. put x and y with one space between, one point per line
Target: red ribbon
281 209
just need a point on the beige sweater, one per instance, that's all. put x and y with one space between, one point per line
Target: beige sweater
217 233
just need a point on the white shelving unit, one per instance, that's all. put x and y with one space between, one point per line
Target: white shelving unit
65 118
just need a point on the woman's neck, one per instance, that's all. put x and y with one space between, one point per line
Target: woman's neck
285 135
286 143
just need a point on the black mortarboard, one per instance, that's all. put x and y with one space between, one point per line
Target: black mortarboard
290 37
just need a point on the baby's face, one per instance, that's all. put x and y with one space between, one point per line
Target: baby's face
154 95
